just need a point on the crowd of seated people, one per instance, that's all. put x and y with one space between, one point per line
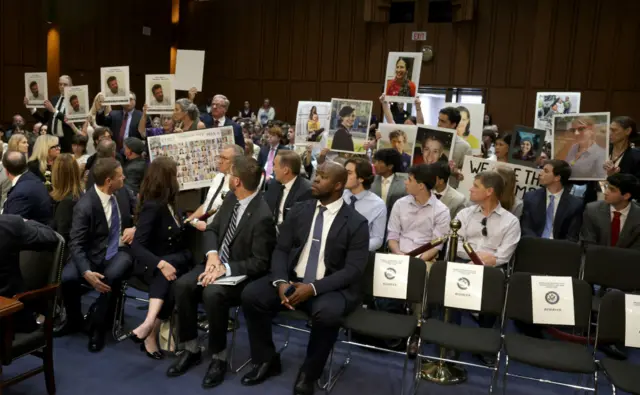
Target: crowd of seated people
300 227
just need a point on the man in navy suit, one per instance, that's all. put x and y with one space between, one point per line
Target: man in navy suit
217 118
551 211
321 255
267 154
54 113
123 123
101 232
28 197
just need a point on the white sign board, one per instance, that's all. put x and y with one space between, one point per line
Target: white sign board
189 70
35 89
632 320
527 179
552 300
391 276
463 286
114 84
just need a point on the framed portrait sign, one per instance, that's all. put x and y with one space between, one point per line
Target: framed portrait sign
114 84
401 138
349 126
526 145
35 89
433 144
312 120
76 102
402 77
160 95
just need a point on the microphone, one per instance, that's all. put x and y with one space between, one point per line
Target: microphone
472 254
428 246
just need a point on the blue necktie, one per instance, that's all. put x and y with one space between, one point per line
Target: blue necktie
314 253
114 230
228 236
548 224
353 202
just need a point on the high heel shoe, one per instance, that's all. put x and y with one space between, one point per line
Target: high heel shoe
134 338
157 355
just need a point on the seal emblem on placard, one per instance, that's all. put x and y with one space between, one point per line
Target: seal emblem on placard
463 283
390 273
552 297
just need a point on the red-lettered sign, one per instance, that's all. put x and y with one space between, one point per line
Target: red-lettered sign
419 36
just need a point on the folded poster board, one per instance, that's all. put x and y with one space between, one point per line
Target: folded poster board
471 123
527 179
312 118
349 127
189 70
399 137
76 102
549 104
35 89
114 83
195 152
160 95
402 77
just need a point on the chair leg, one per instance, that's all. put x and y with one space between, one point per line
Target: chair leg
613 389
404 366
417 371
505 374
49 376
231 348
333 378
494 375
118 329
595 382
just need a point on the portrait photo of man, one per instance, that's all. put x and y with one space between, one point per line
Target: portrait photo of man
35 91
159 98
114 90
76 108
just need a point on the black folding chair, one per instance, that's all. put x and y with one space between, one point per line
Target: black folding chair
485 341
548 257
542 353
611 329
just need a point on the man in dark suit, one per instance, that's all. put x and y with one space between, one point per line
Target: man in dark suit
388 182
28 197
101 232
136 166
54 115
317 266
104 149
552 212
218 118
239 242
614 222
123 123
267 154
287 187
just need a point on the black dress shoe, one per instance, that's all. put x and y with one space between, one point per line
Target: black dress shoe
157 355
304 386
215 374
613 351
261 372
185 361
134 338
96 340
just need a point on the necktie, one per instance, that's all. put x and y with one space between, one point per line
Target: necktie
615 228
228 236
269 165
439 196
548 224
353 202
216 123
311 271
276 211
114 230
123 130
56 124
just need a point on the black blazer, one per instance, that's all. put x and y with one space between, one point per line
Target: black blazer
29 199
596 226
568 219
300 191
17 235
134 171
158 236
254 238
47 118
62 216
34 167
345 254
90 230
342 140
630 162
237 131
114 122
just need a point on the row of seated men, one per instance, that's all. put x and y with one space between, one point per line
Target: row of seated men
302 245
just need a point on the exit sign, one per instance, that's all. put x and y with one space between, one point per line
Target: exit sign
419 36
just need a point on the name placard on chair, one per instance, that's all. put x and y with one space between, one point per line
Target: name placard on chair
463 286
632 320
391 276
552 300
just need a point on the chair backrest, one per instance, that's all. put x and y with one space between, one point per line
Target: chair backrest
493 287
612 267
41 268
611 318
520 305
548 257
417 278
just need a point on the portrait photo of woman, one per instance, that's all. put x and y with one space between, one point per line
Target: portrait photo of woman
527 144
350 121
402 76
580 140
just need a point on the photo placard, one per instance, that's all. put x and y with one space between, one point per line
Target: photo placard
463 286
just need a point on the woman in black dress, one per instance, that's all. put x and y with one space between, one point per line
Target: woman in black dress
65 181
158 247
342 139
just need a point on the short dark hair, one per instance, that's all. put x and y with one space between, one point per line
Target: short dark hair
15 162
488 132
103 169
79 139
106 149
627 123
424 174
492 179
453 114
560 168
291 160
390 157
73 97
154 87
248 171
112 78
32 84
626 183
363 170
442 170
99 132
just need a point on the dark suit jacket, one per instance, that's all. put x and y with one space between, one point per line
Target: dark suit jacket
345 254
34 167
134 171
29 199
47 118
342 140
300 191
630 162
17 235
90 230
596 226
207 119
159 237
263 155
251 247
62 216
114 122
566 223
396 189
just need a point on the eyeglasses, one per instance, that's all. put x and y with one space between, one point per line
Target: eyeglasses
55 147
484 226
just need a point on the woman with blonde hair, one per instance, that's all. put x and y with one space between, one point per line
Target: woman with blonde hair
508 200
18 142
65 193
45 152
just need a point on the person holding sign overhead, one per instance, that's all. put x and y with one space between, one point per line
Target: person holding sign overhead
401 85
54 114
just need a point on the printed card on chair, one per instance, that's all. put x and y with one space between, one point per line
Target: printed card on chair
391 276
552 300
463 286
632 320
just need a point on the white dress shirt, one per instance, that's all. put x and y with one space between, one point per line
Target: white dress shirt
556 201
328 217
215 184
384 188
624 213
221 121
285 193
105 200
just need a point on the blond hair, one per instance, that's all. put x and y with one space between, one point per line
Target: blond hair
507 198
14 141
41 150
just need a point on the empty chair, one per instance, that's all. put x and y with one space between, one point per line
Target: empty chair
548 257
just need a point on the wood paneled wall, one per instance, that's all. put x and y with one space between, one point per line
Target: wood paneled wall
291 50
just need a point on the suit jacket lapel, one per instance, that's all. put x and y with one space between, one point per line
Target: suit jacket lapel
560 212
339 221
246 216
376 187
292 192
226 219
396 187
604 215
629 225
96 206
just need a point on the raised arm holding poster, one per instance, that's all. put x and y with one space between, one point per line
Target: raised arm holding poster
527 179
195 153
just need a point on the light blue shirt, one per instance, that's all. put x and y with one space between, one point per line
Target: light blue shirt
374 209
